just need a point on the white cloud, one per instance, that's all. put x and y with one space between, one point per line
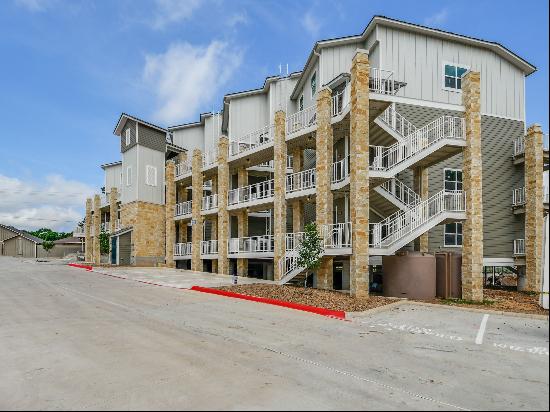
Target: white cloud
186 77
237 19
173 11
438 18
312 24
55 202
35 5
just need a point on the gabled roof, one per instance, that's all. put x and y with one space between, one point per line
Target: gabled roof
22 233
202 117
125 117
106 165
68 240
499 49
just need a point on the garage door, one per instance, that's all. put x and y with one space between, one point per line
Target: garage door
124 249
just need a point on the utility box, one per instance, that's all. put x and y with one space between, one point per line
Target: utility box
448 275
409 275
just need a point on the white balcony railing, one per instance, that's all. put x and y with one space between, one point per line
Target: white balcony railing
251 141
79 231
209 202
340 170
184 208
519 247
209 247
251 193
183 168
519 144
341 100
210 158
336 236
271 164
401 192
252 244
292 240
301 120
382 81
183 249
402 223
518 197
445 127
396 122
297 182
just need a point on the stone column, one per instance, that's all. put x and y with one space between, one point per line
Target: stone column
242 222
420 177
88 232
359 174
214 236
297 205
534 207
279 185
113 210
97 230
223 214
196 230
182 197
324 201
170 209
472 229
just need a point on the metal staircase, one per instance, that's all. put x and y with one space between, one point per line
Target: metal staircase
393 195
393 123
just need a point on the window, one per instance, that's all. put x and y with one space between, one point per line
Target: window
128 137
453 179
129 176
151 176
453 231
453 234
452 76
301 102
313 84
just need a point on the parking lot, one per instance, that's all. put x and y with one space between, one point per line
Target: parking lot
72 339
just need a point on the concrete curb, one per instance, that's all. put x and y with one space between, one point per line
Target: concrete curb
406 302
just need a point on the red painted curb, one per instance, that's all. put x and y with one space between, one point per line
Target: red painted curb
338 314
77 265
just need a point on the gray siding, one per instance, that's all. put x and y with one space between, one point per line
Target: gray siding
20 247
148 157
130 124
151 138
6 233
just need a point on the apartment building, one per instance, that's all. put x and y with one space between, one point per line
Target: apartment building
401 138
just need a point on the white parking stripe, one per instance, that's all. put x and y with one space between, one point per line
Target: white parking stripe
481 331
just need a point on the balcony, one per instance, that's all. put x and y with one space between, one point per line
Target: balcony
252 195
105 198
209 205
79 231
252 247
303 121
519 247
183 169
382 82
519 199
340 173
209 249
337 238
183 250
252 141
341 102
300 184
184 210
209 159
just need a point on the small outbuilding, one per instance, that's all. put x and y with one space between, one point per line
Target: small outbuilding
19 243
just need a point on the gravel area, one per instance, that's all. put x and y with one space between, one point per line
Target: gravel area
313 297
503 300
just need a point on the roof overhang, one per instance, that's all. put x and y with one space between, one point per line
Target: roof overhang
107 165
125 117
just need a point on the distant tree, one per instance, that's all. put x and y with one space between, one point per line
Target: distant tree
47 245
50 235
310 248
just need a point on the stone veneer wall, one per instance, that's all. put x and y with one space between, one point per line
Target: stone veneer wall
170 226
472 231
196 228
223 214
148 224
279 183
88 232
96 258
359 174
534 207
242 219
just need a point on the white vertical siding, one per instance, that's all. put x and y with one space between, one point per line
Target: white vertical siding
190 138
112 178
418 60
148 193
212 132
279 97
129 159
247 114
335 61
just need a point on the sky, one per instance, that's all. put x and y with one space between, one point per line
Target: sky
68 68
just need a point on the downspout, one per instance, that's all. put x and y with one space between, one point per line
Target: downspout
320 68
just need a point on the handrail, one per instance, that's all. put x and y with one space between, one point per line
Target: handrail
402 223
394 120
341 100
381 81
250 193
445 127
252 140
401 191
301 120
519 144
209 247
519 247
304 180
183 208
183 249
209 202
251 244
210 158
340 170
183 168
518 197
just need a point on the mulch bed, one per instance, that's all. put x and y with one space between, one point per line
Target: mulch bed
325 299
503 300
500 300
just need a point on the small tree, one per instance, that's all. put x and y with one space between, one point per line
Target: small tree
47 245
310 249
103 243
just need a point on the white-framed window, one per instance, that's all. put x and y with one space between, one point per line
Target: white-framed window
452 76
452 236
301 102
129 176
128 137
313 84
150 175
453 179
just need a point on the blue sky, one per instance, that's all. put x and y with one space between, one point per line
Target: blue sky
70 67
